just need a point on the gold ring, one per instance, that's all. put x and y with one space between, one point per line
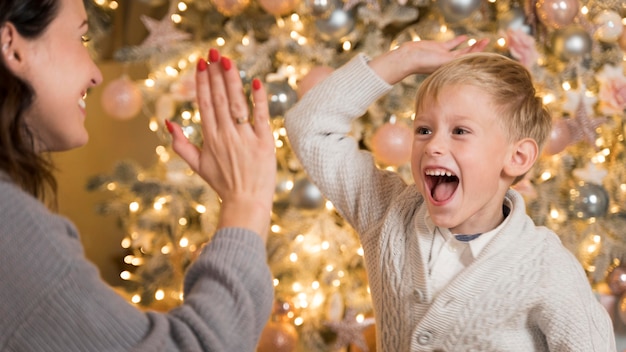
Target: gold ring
242 120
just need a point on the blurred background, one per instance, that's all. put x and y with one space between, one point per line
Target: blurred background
143 215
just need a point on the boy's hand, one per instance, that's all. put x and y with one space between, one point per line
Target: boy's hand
423 56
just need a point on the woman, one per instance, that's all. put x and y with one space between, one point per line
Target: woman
51 297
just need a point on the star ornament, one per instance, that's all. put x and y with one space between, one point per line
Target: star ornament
591 173
350 330
582 126
162 33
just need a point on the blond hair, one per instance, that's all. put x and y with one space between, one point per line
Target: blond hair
507 82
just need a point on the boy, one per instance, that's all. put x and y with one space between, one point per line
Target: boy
454 263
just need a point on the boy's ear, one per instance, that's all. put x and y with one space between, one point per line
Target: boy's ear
10 48
524 153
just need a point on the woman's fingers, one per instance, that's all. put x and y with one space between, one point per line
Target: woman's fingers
181 145
261 111
237 101
205 102
454 42
219 94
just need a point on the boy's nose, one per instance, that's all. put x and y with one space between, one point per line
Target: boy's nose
435 146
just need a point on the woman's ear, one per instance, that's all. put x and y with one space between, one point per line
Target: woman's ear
524 153
9 47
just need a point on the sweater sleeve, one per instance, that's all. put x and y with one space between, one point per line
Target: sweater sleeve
571 317
318 127
53 298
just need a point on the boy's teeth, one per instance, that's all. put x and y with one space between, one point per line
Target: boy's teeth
438 173
81 103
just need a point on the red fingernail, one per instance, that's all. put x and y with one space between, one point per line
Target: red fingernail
214 55
202 65
256 84
226 64
169 126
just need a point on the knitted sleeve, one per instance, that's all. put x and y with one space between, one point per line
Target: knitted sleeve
52 298
319 127
571 317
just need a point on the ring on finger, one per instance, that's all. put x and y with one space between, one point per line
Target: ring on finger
241 120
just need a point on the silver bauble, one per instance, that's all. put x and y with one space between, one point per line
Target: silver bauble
284 184
572 42
336 25
280 98
320 8
306 195
588 200
457 10
514 18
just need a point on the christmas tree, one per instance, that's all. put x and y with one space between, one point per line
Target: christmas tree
574 50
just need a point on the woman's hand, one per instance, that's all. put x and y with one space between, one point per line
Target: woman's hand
423 56
237 157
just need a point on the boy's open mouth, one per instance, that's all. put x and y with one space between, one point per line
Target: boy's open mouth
442 183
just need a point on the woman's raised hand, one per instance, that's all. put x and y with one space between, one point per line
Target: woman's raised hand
237 157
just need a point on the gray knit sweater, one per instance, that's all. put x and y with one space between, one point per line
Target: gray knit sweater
525 291
52 298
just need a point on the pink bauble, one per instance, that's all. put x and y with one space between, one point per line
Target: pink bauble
560 137
622 40
230 7
617 280
609 26
609 302
621 308
121 98
557 13
391 144
278 337
278 7
315 76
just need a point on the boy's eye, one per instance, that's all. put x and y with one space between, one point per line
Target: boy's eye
422 130
459 130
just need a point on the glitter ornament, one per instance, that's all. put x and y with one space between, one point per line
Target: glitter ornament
391 144
350 331
162 33
122 99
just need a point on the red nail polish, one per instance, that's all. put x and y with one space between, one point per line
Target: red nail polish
226 63
202 65
214 55
169 126
256 84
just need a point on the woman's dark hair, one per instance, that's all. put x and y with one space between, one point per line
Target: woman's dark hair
18 157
